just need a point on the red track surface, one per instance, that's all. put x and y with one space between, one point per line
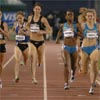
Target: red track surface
25 90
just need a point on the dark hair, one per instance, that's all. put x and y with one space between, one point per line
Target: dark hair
37 4
20 13
69 11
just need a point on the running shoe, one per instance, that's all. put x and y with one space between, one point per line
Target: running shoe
21 63
94 85
39 65
66 86
17 79
34 81
72 79
91 91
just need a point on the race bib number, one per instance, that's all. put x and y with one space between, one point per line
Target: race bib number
34 28
1 36
20 37
68 33
92 35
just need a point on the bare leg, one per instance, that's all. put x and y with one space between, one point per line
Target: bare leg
40 54
66 68
1 67
93 69
33 55
18 55
84 60
1 63
74 62
26 55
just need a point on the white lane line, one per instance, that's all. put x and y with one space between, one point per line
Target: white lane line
98 82
11 58
44 76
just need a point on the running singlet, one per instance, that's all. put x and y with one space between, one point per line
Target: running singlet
90 33
1 35
21 38
36 26
68 31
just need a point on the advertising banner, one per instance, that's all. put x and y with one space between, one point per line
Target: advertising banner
9 17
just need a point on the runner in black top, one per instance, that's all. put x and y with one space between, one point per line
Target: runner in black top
36 46
3 33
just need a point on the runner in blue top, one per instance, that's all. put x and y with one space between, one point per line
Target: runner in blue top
22 39
91 29
69 31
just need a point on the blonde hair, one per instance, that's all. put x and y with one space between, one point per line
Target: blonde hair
92 11
83 9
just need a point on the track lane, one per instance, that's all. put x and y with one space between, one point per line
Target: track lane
25 90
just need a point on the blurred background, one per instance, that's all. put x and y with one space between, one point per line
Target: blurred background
52 9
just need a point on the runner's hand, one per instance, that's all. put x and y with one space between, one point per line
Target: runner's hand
41 32
1 30
21 32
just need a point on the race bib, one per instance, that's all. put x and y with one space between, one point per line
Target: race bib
92 35
34 28
68 33
20 37
1 36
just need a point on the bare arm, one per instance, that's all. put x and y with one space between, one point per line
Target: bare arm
48 27
13 28
5 31
79 30
82 27
98 26
29 20
59 33
98 29
25 30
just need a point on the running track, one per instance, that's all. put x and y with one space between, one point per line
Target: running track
50 86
